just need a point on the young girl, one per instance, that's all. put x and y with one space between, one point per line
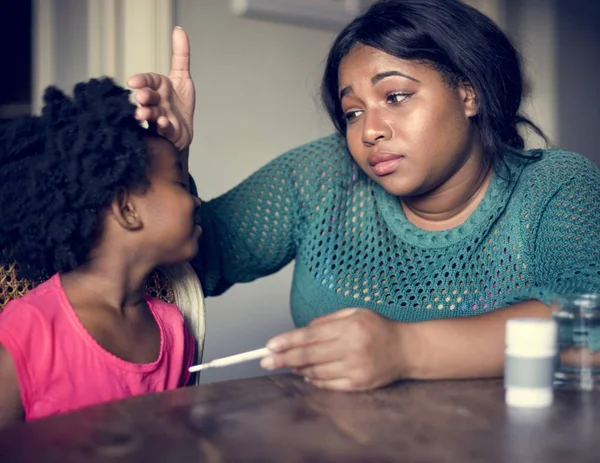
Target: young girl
91 203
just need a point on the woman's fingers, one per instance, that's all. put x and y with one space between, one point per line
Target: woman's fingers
310 334
150 110
180 55
150 80
324 371
165 127
147 114
147 97
303 356
137 81
338 384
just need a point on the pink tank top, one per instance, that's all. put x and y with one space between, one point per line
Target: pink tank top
60 367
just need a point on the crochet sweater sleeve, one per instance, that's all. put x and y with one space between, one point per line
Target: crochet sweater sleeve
254 229
567 238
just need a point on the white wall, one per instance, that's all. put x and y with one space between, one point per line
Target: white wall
257 86
60 41
560 43
532 24
75 40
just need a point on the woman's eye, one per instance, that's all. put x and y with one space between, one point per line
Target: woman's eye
351 115
396 98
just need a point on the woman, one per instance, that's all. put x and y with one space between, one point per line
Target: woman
419 228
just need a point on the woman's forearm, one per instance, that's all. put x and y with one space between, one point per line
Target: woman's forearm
470 347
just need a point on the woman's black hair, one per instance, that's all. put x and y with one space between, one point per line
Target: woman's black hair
458 41
61 170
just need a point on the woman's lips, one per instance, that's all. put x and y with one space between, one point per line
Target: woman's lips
384 163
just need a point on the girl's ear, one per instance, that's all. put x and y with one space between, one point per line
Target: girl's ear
469 98
124 211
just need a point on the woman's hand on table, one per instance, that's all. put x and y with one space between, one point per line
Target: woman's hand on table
169 101
350 350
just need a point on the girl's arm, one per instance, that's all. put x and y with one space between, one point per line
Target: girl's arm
11 409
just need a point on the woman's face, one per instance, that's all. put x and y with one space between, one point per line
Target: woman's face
406 127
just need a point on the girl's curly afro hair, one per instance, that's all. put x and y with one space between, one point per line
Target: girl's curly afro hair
61 170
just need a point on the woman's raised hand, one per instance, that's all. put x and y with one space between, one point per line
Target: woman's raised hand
169 101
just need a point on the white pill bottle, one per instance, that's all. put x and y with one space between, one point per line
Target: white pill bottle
529 362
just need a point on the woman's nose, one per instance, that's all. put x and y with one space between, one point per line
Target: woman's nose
375 129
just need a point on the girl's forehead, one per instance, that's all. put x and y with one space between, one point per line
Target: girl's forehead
162 155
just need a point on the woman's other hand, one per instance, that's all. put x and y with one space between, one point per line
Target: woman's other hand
349 350
169 101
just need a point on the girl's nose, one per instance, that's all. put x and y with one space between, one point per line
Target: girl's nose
197 215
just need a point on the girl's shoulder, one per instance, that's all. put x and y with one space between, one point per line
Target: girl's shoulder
165 311
40 303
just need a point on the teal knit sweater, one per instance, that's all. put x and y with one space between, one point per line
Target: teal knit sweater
536 232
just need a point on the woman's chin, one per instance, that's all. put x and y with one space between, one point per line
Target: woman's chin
398 186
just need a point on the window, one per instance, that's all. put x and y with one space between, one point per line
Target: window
15 59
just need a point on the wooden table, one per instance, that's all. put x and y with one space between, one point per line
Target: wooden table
282 419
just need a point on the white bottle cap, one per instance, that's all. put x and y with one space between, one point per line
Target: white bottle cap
531 337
